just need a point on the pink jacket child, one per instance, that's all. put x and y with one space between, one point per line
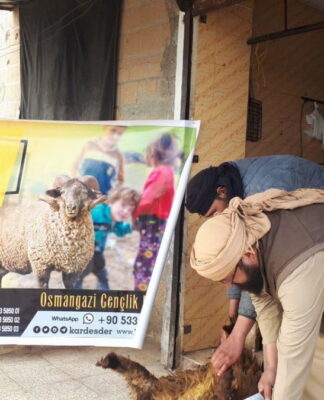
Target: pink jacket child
154 206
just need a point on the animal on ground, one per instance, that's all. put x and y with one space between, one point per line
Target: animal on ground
237 383
54 233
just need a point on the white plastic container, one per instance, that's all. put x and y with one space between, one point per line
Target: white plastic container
257 396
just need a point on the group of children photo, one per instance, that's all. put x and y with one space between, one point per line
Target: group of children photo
127 209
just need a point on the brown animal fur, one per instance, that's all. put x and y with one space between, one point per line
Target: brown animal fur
201 383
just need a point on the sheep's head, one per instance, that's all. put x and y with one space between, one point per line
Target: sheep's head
73 196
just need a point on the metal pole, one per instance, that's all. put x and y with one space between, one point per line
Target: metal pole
312 100
287 32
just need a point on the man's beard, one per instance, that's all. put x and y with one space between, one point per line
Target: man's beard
254 282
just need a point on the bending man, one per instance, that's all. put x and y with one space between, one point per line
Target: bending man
210 191
272 244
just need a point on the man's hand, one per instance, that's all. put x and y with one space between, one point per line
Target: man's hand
231 348
267 382
227 353
268 377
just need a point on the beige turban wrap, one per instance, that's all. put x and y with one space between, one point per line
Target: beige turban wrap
222 240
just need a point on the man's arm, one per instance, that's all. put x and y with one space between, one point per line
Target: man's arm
233 307
268 377
269 315
269 319
246 307
230 350
234 295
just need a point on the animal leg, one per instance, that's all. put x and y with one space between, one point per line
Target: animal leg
43 277
70 280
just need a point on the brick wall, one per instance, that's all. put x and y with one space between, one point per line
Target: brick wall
147 59
9 64
146 72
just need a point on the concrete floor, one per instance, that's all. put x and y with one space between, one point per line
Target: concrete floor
68 373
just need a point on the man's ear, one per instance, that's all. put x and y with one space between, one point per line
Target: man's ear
221 192
251 257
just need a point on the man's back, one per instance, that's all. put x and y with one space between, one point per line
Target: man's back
279 171
295 235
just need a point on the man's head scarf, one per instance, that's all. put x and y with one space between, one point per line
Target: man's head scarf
201 190
222 240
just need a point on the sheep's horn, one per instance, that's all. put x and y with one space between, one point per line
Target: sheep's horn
60 180
98 200
50 200
91 182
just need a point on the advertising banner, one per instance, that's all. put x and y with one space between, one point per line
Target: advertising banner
87 212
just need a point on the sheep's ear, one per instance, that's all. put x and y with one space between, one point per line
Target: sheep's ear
96 201
53 193
93 194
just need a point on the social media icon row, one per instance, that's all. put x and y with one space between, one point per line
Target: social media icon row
47 329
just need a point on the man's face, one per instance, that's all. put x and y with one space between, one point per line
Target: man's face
251 277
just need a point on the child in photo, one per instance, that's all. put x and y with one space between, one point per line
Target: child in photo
113 217
155 205
102 159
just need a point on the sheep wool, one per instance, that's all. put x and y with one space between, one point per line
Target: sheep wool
54 234
201 383
37 239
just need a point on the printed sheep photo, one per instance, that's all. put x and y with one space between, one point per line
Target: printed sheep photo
52 234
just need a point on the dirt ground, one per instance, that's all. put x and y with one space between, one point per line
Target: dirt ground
120 254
